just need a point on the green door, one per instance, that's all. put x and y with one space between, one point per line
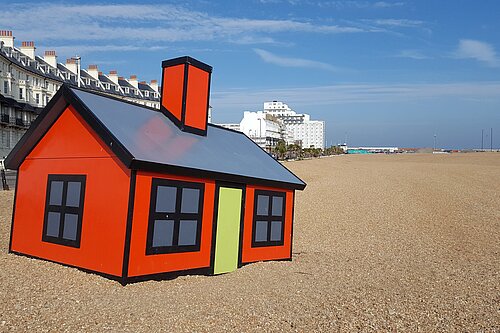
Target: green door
227 241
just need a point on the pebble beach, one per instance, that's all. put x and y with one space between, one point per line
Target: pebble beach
382 243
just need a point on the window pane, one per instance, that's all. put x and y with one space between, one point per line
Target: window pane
187 232
53 221
262 205
276 230
73 196
165 199
163 233
277 206
190 200
70 226
260 231
56 190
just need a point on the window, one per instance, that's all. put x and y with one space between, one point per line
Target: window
174 217
64 209
5 87
269 218
20 93
37 98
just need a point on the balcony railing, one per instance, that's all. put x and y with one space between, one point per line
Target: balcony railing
20 122
4 118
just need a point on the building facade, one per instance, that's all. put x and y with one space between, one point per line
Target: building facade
299 126
28 82
263 128
279 122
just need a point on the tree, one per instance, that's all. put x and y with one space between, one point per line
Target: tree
280 149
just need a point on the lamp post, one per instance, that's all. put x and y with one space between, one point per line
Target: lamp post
491 139
77 59
482 139
260 131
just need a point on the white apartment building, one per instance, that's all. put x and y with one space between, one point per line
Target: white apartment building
300 128
28 82
264 129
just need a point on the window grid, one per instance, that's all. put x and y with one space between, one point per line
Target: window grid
177 216
268 218
64 211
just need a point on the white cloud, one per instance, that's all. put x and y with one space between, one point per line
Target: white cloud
292 62
480 51
412 54
145 23
86 49
404 23
358 4
356 93
384 4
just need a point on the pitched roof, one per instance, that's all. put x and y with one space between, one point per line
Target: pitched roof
145 139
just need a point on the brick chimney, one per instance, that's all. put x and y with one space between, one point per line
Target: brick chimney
133 81
185 93
93 71
28 48
154 85
113 76
71 65
50 57
6 38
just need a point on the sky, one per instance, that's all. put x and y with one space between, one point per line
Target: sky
379 73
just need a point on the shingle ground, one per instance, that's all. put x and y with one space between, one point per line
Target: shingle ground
381 243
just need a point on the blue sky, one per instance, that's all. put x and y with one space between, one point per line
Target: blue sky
390 73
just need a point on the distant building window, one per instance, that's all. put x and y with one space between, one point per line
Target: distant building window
268 218
20 93
37 98
5 87
174 217
126 90
64 209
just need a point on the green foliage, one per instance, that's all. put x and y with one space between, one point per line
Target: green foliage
295 151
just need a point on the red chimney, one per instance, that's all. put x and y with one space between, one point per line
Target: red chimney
185 93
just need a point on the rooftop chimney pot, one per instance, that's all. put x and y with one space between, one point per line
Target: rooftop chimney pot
113 76
154 85
6 38
50 58
93 71
28 48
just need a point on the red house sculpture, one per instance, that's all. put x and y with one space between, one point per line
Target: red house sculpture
133 193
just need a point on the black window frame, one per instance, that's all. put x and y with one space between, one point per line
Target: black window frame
268 218
63 209
177 216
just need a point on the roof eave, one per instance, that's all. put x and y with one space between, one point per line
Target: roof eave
207 174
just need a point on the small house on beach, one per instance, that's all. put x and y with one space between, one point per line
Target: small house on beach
134 193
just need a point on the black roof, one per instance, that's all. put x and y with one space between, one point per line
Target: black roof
145 139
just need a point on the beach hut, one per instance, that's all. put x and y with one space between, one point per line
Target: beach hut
134 193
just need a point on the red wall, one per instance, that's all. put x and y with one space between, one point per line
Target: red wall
252 254
142 264
71 147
